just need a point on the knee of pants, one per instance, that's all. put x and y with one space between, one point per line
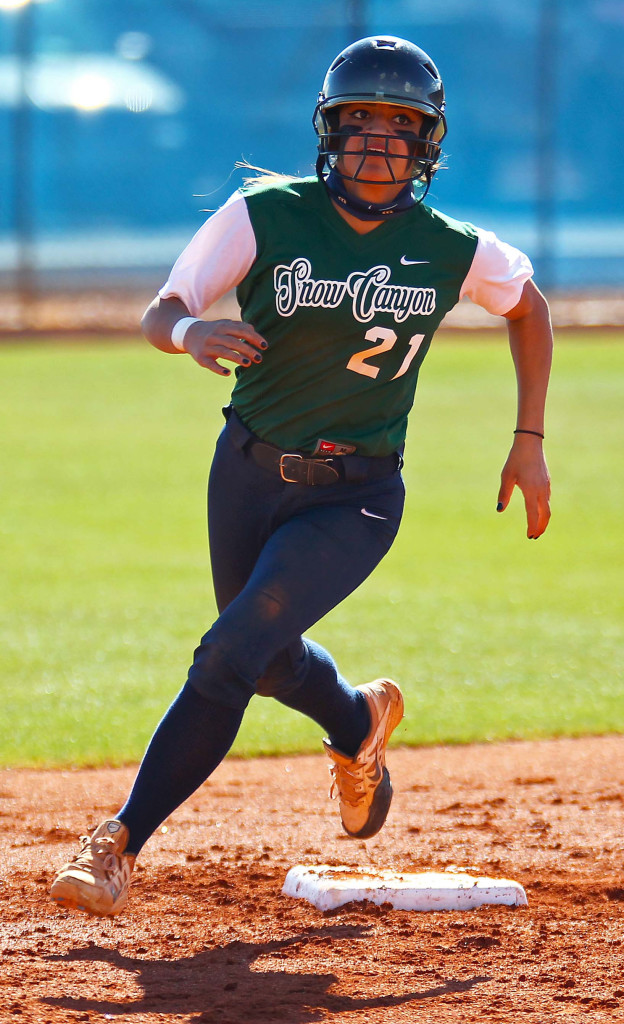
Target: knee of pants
285 672
214 676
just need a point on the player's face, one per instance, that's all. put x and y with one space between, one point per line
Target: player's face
377 148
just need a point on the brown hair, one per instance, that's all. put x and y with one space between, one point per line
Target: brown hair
263 175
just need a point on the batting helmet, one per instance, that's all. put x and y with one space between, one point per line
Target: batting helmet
382 69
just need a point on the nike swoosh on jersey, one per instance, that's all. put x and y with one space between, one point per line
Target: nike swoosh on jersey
371 515
410 263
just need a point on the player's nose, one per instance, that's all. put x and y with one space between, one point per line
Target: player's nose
379 124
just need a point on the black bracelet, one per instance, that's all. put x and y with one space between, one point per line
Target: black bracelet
535 433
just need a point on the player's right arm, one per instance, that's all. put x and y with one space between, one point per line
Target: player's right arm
205 340
216 259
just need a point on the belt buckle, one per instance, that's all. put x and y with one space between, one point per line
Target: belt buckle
288 455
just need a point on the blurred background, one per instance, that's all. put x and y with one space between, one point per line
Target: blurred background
121 122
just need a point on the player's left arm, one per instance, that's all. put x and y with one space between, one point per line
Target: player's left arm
531 342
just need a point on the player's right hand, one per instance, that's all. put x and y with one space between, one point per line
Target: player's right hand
209 340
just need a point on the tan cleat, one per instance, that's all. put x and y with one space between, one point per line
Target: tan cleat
98 879
362 783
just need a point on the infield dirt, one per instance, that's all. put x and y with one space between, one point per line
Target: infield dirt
208 937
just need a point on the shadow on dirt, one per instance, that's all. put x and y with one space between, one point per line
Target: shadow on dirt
222 985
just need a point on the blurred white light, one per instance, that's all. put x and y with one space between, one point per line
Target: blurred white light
14 5
139 100
90 92
133 45
89 83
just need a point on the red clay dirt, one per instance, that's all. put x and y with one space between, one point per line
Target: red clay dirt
208 937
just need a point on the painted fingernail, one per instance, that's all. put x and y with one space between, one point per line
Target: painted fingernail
264 344
499 507
246 361
257 358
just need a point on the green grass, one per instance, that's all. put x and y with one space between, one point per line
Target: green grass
104 572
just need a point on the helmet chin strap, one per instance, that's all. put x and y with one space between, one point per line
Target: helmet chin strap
368 211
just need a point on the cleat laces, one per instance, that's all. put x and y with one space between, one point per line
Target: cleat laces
97 857
350 782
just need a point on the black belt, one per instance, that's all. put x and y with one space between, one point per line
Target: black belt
299 468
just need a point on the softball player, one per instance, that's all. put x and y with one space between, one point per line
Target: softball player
342 280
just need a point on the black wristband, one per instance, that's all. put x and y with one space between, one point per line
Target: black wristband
535 433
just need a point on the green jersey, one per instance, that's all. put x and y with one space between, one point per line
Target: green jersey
348 317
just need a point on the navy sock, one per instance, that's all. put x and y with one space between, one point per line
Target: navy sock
191 740
329 700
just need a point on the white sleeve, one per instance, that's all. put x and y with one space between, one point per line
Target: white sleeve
216 259
497 274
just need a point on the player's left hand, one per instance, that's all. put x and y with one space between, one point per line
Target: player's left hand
526 468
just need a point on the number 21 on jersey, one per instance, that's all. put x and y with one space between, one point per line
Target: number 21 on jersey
359 360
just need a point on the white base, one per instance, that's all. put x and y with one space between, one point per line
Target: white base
329 887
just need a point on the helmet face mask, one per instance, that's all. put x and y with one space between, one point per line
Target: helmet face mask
390 71
335 144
